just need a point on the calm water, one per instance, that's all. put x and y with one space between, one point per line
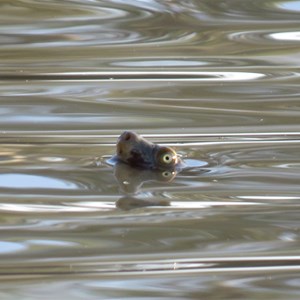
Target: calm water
217 80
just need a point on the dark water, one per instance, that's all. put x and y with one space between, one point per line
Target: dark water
217 80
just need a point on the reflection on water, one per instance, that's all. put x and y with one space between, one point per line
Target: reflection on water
21 181
131 179
216 80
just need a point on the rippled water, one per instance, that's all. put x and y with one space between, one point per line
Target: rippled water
217 80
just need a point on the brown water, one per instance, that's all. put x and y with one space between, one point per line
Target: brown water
218 80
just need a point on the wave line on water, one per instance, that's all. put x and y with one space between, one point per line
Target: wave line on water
203 265
137 76
251 136
163 266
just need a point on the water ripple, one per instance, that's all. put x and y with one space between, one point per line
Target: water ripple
264 37
140 76
217 80
286 36
255 12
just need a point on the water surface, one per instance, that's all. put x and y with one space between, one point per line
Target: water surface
216 80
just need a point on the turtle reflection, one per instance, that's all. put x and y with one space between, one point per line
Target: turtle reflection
131 180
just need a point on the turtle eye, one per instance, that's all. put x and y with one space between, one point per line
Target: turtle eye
167 158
